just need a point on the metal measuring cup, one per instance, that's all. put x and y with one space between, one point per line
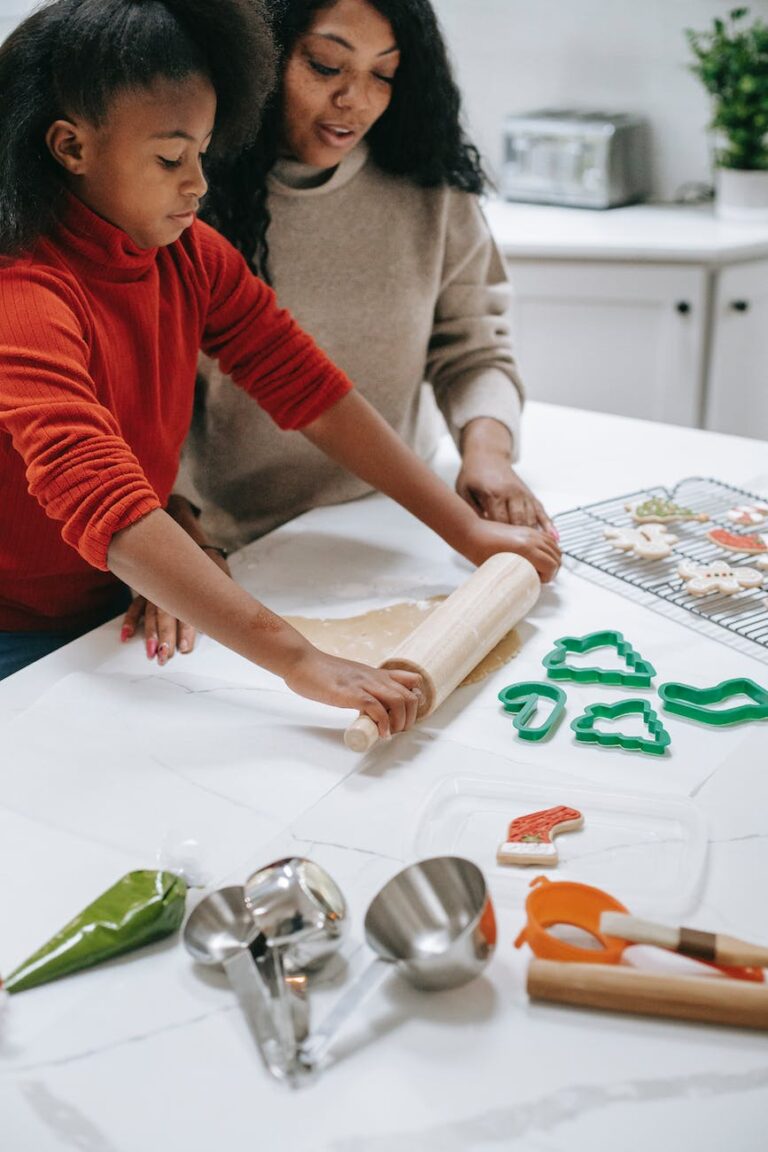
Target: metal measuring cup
300 910
220 931
435 922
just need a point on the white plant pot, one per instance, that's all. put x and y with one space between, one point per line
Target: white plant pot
741 194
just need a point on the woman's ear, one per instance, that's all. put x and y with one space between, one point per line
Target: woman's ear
65 141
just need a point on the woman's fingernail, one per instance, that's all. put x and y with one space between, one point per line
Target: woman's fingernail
151 648
162 653
125 633
183 645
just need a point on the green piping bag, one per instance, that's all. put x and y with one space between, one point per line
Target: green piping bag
140 908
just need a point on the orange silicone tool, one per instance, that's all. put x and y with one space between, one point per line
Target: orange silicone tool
566 902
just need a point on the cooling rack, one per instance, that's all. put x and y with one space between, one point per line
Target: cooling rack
740 620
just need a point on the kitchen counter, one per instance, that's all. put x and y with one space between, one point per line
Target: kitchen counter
110 764
651 233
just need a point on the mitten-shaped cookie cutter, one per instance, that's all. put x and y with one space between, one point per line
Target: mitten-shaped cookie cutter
523 699
566 902
638 673
693 703
584 727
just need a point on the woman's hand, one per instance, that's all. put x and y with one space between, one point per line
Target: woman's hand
486 537
488 482
391 699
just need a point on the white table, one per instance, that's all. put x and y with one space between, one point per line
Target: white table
109 764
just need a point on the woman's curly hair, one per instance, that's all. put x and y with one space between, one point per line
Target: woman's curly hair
419 136
70 58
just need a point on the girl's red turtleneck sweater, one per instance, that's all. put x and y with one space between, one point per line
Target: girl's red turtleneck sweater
98 347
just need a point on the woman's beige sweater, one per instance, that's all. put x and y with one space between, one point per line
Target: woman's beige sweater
399 285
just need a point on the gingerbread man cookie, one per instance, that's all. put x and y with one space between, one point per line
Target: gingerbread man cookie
748 514
657 510
735 542
704 579
529 838
648 541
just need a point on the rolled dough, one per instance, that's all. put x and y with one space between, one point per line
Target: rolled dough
372 637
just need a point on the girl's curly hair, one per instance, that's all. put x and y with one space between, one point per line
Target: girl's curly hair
70 57
419 136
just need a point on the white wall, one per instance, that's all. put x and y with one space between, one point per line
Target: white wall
619 55
626 55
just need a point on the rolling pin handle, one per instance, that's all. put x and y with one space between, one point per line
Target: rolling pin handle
362 734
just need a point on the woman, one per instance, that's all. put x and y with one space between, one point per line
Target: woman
359 204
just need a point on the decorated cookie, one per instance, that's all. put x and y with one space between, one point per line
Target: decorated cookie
735 542
748 514
529 838
704 579
648 542
657 510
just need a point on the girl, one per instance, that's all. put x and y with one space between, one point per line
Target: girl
109 286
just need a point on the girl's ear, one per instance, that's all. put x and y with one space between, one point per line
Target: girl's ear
65 141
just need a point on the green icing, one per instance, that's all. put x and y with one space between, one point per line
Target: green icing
140 908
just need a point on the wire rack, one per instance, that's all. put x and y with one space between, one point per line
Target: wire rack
740 620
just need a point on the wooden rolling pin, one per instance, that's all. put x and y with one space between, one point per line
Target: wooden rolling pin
458 634
620 989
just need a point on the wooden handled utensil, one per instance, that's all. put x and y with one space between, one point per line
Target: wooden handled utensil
649 993
458 634
713 947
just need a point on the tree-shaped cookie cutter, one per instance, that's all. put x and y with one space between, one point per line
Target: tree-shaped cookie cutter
585 731
638 673
693 703
523 698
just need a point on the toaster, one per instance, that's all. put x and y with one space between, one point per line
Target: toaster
584 159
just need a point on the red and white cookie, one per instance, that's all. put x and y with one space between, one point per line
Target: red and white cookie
704 579
748 514
529 838
735 542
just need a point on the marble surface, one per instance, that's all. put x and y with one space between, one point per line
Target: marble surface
640 232
109 763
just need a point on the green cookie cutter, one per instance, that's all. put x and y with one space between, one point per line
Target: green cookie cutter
686 700
584 727
638 674
522 699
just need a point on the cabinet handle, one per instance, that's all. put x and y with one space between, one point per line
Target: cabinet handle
683 307
740 305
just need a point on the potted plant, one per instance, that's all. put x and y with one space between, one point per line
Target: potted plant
732 63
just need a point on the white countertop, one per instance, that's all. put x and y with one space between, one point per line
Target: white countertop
655 233
110 764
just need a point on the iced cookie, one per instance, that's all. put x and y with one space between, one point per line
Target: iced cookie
648 542
529 838
748 514
704 579
657 510
735 542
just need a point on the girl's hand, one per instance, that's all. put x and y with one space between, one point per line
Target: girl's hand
164 635
487 537
496 492
390 699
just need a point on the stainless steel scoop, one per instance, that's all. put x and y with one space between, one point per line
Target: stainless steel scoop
299 909
220 931
435 922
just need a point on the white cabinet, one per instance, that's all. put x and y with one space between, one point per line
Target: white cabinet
653 311
613 337
737 394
